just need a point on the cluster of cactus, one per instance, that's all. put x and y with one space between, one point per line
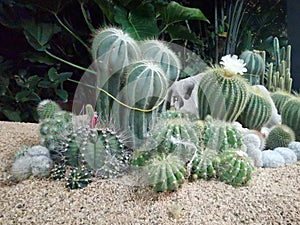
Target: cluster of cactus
47 108
279 75
280 136
137 74
290 115
222 94
258 110
255 64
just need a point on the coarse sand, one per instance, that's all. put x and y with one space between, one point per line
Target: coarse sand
272 196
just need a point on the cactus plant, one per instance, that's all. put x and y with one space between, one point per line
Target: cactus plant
158 52
222 94
205 165
255 65
272 159
291 115
289 155
295 147
47 109
257 112
279 75
221 136
165 173
280 98
235 168
280 136
78 178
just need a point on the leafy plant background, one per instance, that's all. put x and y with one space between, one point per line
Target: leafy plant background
39 37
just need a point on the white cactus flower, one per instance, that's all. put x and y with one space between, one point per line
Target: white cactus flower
233 64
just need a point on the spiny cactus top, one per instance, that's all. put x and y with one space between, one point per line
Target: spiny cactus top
280 136
47 108
255 64
158 52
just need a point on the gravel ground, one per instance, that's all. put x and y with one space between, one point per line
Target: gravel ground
272 197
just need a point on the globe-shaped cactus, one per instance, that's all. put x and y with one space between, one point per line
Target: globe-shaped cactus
47 108
280 136
280 98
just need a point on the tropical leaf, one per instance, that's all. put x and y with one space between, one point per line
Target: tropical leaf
179 32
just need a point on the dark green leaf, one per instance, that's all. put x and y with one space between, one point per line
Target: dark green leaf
52 74
39 57
33 81
22 95
64 76
179 32
106 7
140 23
12 115
39 34
62 94
175 12
4 82
44 84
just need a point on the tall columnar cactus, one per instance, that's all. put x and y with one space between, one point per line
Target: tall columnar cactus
280 136
158 52
279 75
221 136
257 112
165 173
47 108
115 48
255 65
235 168
291 115
280 98
222 94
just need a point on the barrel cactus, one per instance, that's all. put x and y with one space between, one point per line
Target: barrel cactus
47 108
115 48
222 94
255 65
221 136
158 52
280 98
291 115
235 168
280 136
165 173
257 112
78 178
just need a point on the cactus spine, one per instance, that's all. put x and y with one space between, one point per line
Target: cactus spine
257 112
222 94
280 98
165 173
255 65
291 115
280 136
235 168
279 75
47 108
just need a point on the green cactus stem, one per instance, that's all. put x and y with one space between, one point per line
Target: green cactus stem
280 98
165 173
235 168
222 94
257 112
280 136
47 108
291 115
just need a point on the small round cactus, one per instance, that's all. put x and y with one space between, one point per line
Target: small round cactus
289 155
222 94
165 173
47 109
235 168
257 112
272 159
158 52
280 136
78 178
295 146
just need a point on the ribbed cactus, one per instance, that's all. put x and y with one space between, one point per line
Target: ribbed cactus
47 109
222 94
55 129
255 65
173 129
280 136
78 178
158 52
280 98
257 112
165 173
235 168
115 49
221 136
205 165
291 115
